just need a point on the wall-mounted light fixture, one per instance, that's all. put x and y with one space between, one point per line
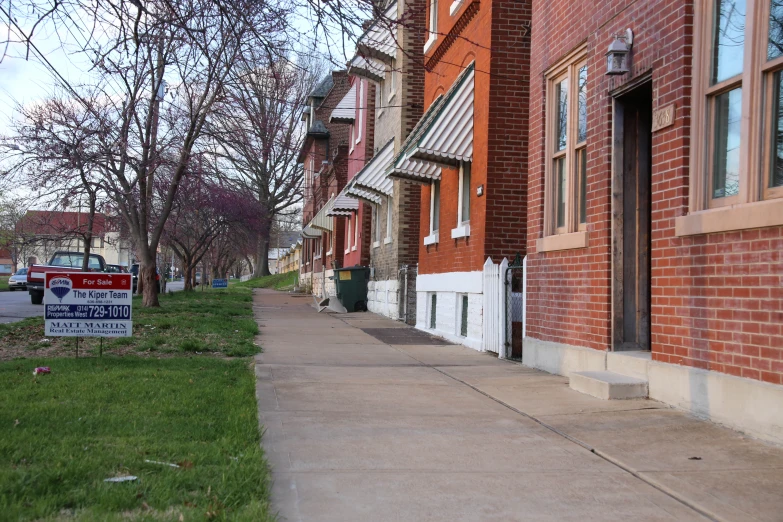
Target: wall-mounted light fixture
618 56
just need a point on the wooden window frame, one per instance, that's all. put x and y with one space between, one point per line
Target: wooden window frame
756 204
568 68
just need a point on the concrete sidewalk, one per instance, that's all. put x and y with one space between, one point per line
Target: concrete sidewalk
369 420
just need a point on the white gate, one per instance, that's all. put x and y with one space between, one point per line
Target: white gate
494 334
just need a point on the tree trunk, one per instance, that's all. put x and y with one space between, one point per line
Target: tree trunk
88 235
262 265
188 273
147 278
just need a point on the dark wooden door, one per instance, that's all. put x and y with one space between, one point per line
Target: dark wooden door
631 206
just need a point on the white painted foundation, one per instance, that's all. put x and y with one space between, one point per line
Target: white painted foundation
383 298
748 405
449 288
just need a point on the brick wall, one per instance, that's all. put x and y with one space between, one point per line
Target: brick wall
717 299
497 39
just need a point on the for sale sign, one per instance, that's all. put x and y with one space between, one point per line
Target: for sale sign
88 304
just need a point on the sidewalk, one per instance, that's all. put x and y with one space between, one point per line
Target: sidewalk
369 420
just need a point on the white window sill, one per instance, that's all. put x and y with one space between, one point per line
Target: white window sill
455 6
329 253
461 231
380 113
316 258
358 140
387 240
738 217
347 250
391 97
353 248
430 43
376 244
432 239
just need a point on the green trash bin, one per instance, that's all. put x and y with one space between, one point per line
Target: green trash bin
351 285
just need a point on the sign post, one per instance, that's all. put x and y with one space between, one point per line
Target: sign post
88 304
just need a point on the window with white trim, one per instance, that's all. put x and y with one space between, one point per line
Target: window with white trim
435 207
392 81
376 223
357 225
348 235
361 112
464 194
738 106
566 146
433 25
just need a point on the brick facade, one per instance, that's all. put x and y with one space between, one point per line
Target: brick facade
717 299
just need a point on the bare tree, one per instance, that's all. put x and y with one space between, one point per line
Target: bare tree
258 138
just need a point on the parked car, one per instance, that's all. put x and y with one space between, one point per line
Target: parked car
60 262
134 269
116 269
18 280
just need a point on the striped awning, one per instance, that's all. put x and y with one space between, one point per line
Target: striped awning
344 205
380 39
415 171
373 176
367 67
449 136
345 110
309 232
405 166
322 221
360 193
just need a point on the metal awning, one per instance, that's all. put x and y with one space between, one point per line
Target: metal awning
344 205
415 171
373 176
405 166
449 136
345 110
322 221
359 193
309 232
367 67
380 39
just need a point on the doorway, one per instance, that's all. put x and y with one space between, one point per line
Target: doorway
631 216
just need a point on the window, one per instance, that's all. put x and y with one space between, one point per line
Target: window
435 207
376 225
464 194
389 219
348 236
737 115
360 119
356 230
433 25
463 330
567 146
433 310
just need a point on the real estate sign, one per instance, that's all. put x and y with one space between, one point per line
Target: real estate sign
220 283
88 304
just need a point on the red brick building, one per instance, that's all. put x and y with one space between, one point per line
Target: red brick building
324 156
654 232
469 153
353 110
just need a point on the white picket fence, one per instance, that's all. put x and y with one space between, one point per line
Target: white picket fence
494 325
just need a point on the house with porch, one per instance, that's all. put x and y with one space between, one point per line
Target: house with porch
655 203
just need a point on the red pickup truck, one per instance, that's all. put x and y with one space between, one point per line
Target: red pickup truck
60 262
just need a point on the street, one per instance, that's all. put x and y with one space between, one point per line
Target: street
15 306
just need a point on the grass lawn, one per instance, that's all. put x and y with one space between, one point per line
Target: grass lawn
4 283
217 322
276 281
62 434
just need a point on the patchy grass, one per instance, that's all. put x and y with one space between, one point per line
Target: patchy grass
216 322
4 283
276 281
62 434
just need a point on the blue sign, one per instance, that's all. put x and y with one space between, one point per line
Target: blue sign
220 283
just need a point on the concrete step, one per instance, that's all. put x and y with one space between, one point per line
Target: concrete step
608 385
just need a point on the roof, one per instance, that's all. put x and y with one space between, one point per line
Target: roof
59 223
323 87
318 129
